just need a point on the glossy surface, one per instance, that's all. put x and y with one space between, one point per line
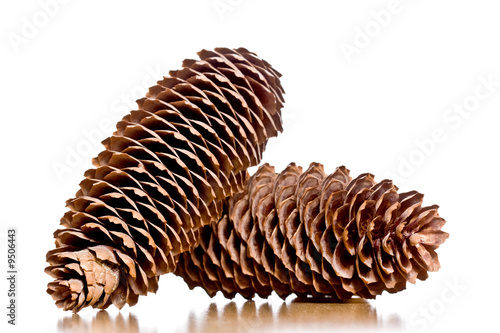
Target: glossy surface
294 315
249 317
429 306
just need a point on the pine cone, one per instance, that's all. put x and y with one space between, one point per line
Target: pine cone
164 174
316 236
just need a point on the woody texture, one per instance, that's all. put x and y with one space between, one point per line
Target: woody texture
316 235
164 175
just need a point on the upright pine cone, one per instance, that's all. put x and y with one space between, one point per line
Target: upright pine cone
164 173
316 235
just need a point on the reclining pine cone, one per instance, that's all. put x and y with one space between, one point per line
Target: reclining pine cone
316 236
164 174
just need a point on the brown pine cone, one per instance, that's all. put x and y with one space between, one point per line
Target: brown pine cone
164 173
316 236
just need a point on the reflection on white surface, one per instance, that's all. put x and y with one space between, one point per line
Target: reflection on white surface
296 316
101 322
250 316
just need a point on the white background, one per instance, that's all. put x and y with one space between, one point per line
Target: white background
374 111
